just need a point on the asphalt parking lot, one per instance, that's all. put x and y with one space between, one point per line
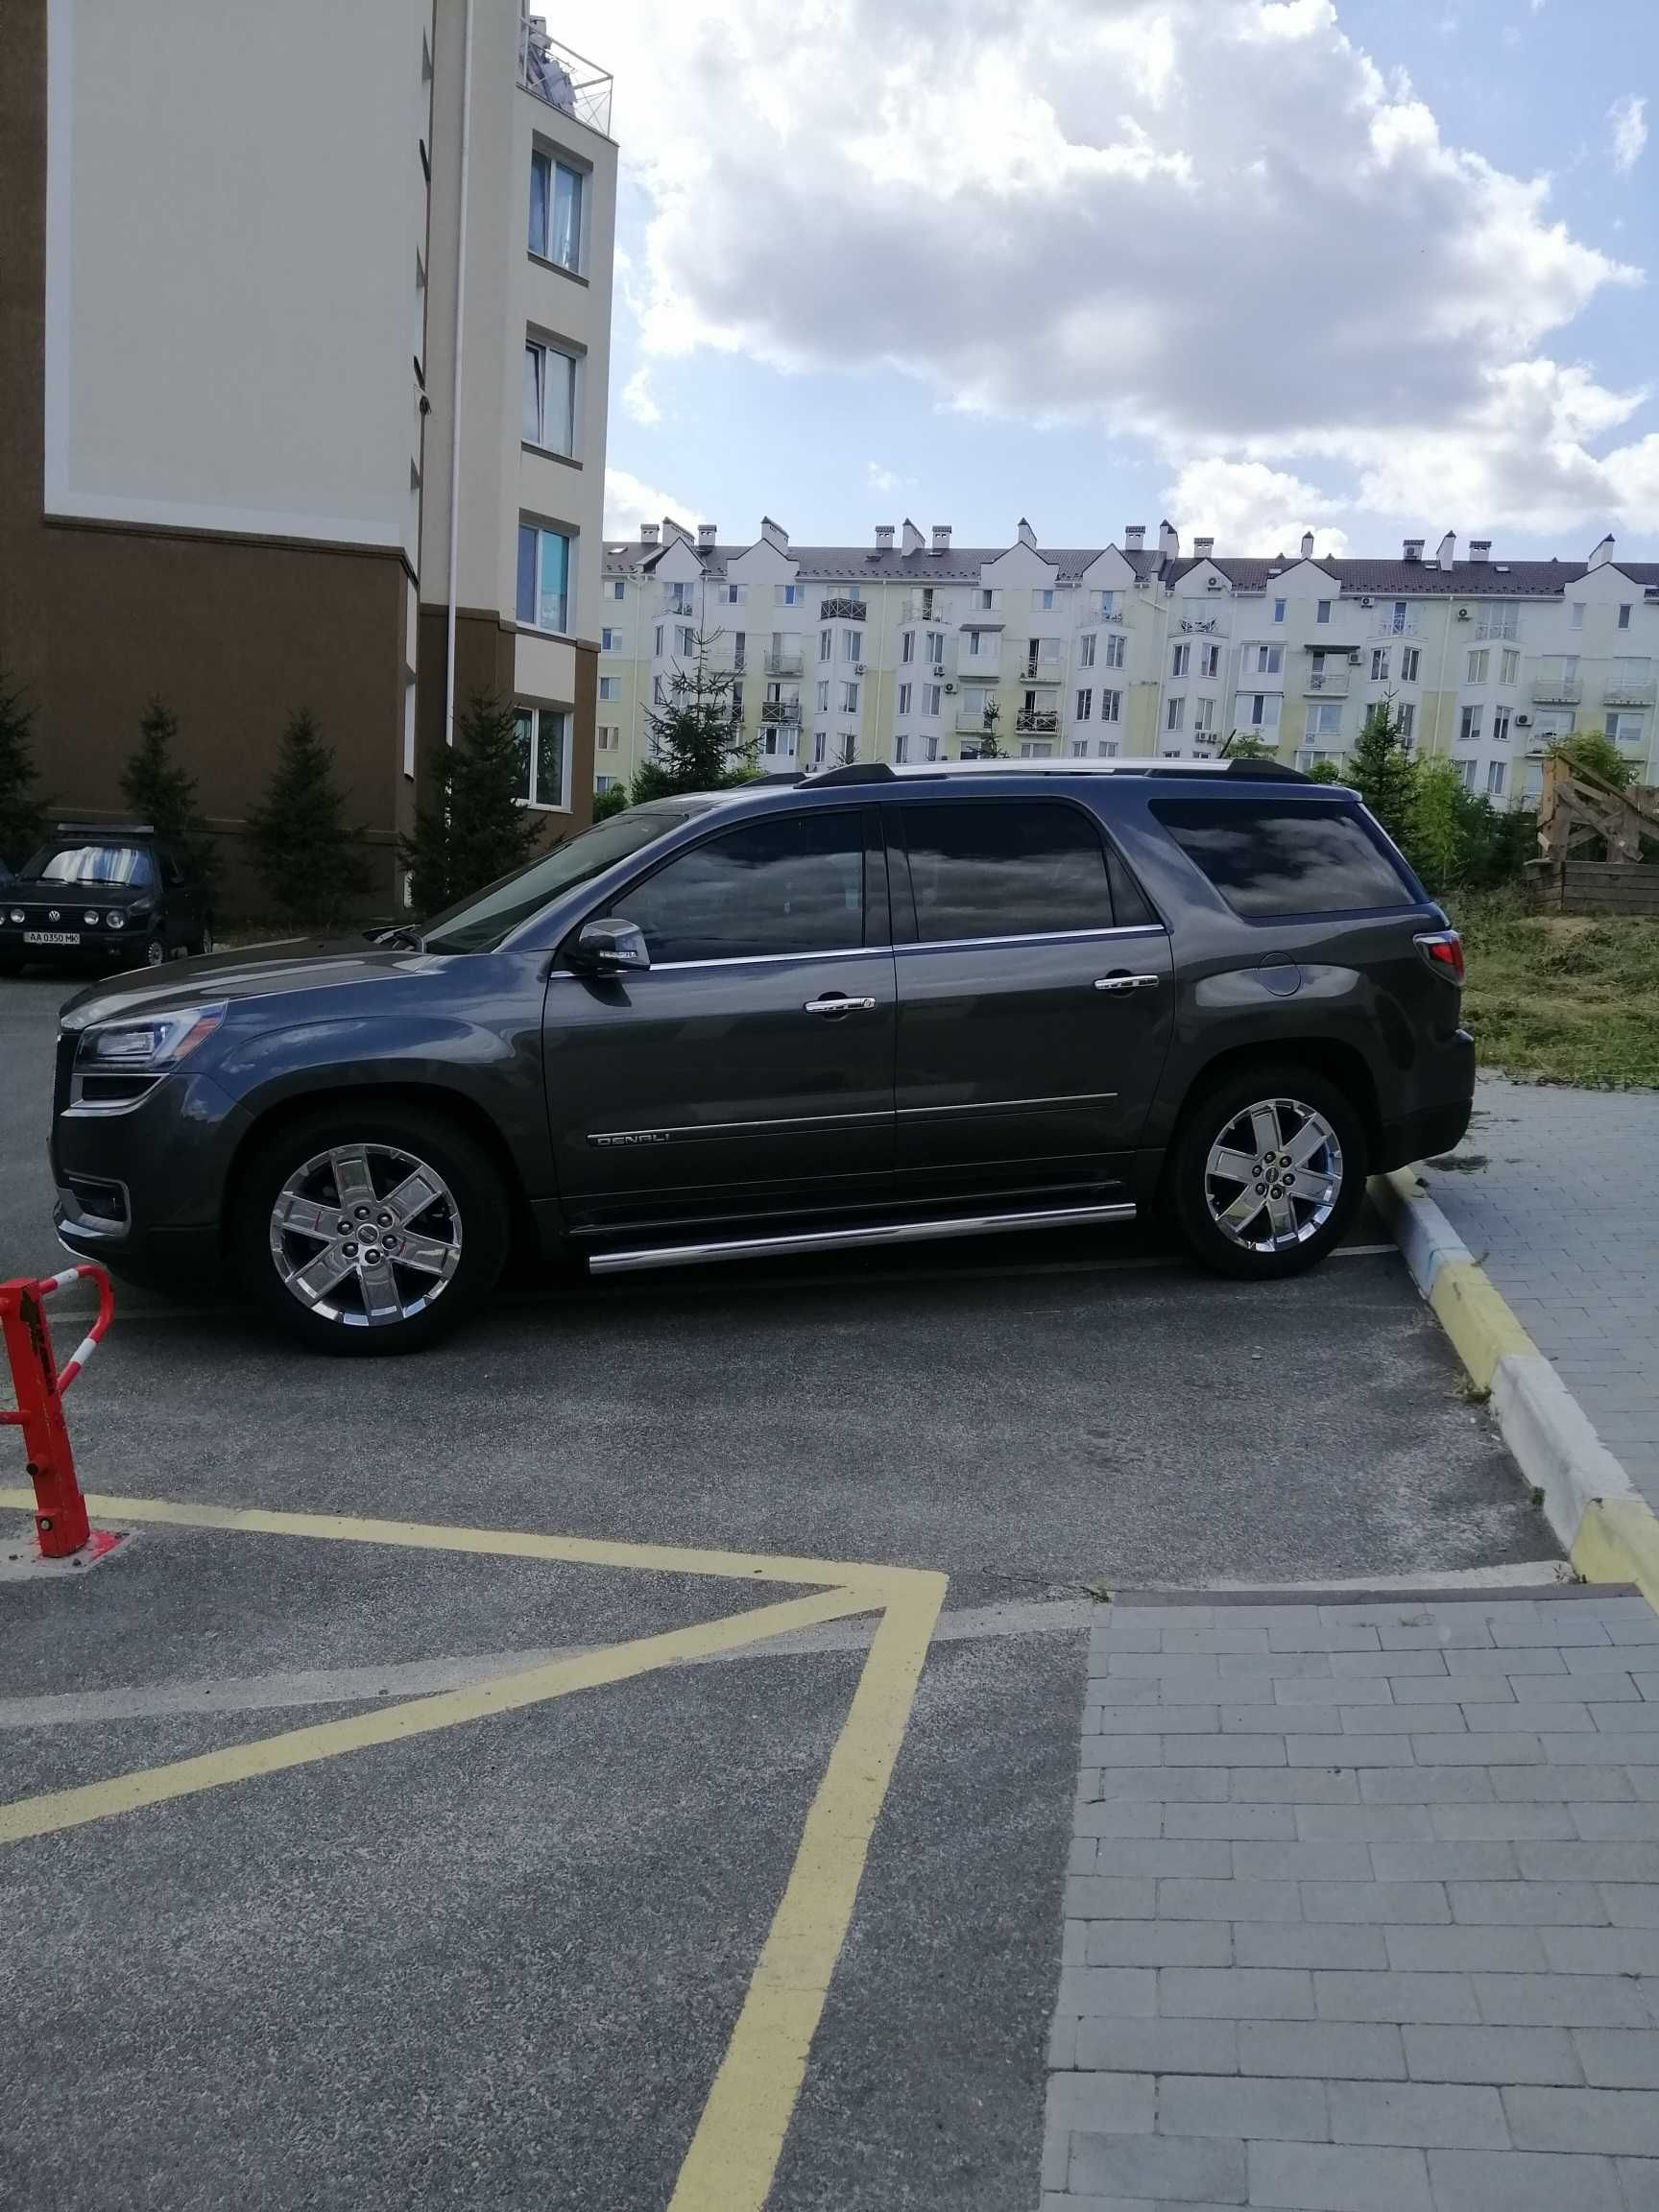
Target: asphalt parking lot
500 1960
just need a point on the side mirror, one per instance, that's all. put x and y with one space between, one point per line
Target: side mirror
613 946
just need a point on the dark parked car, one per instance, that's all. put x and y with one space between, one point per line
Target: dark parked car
103 893
863 1007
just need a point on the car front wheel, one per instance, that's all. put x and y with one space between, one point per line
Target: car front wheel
1267 1171
372 1230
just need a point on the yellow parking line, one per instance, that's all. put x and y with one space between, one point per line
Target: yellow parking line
45 1815
507 1543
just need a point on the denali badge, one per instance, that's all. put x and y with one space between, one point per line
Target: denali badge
632 1137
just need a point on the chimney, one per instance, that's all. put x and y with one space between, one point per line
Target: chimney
707 537
1603 553
1447 551
1134 537
913 539
941 536
1306 545
1480 548
883 537
650 533
1168 540
672 530
1413 549
1027 535
774 534
1203 548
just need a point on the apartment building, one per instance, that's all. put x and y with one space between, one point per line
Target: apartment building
249 354
912 650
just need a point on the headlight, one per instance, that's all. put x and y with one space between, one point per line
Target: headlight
149 1045
117 920
17 914
91 918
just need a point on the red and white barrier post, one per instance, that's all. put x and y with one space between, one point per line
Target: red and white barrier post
38 1386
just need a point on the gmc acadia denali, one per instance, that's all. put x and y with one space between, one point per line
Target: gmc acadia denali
860 1007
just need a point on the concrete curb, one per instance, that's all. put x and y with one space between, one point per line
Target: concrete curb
1609 1531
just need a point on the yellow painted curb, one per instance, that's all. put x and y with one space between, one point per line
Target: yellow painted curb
1618 1541
1473 1313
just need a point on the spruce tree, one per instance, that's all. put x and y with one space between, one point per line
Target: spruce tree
1382 772
163 794
475 827
695 745
308 861
20 814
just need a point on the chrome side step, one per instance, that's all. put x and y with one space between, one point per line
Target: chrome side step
848 1240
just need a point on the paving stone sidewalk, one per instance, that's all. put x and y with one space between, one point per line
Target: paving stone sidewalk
1564 1214
1363 1911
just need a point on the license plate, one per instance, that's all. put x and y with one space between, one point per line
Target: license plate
51 936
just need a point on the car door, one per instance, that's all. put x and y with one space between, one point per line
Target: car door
749 1069
1034 1011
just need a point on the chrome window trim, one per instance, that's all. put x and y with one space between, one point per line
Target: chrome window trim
869 951
1038 937
737 960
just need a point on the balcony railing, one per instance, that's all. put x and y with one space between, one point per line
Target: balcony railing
677 599
782 712
1386 627
1557 691
923 607
1330 683
1039 721
1039 672
783 665
843 610
562 78
975 722
979 667
1641 694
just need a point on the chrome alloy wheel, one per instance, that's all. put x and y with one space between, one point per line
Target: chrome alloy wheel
366 1234
1273 1176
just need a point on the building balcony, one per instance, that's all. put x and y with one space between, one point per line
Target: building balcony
1557 691
975 722
1385 626
978 668
562 77
781 713
1036 722
1204 625
783 665
1629 694
843 610
1329 682
923 607
676 601
1039 672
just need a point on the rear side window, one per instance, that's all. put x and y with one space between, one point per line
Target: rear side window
1272 856
792 883
1015 868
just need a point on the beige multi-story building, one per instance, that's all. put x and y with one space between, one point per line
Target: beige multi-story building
249 350
910 650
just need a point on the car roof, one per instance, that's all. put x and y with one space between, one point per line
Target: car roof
876 779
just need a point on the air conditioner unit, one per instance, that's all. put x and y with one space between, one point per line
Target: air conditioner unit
1464 616
1215 584
1523 721
1353 659
858 668
1367 602
950 688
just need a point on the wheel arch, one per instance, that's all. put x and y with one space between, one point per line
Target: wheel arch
1342 1064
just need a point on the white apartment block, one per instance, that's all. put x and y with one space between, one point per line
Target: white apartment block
916 650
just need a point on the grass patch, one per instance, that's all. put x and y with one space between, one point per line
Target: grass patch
1561 998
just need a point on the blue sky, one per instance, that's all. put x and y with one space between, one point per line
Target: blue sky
1259 264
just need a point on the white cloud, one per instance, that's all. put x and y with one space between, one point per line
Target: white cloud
1249 508
881 480
1627 121
629 502
1211 225
638 401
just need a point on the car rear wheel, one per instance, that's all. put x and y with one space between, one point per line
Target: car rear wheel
204 941
370 1230
1267 1171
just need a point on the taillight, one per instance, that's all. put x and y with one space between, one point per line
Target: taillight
1443 949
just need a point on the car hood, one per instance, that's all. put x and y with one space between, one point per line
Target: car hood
39 890
261 971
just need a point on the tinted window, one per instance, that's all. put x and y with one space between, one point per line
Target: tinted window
1274 857
129 864
792 883
480 922
1004 868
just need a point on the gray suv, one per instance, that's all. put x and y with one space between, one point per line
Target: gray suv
862 1007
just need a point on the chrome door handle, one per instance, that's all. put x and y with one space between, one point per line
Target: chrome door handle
839 1006
1122 982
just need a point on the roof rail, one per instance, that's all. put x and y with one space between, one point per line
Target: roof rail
1269 771
106 830
853 772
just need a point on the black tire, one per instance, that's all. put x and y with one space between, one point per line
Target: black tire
155 952
202 941
473 1210
1279 1088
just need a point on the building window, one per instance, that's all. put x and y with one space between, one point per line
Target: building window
658 693
679 599
907 647
1270 659
1112 706
1108 606
1556 722
1469 727
930 698
1086 649
826 643
1408 723
1258 709
901 751
1500 725
1322 612
731 594
657 646
929 748
935 649
1116 643
1625 729
1203 717
1498 619
541 734
1324 720
610 641
1180 659
788 594
819 742
1175 714
1397 618
1509 668
987 601
556 194
1210 661
684 641
608 738
1411 659
903 698
544 577
852 644
619 589
1085 706
1379 664
1577 613
1045 600
1277 610
609 686
1478 658
849 698
549 399
1625 617
822 694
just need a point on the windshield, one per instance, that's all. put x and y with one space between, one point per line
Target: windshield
478 925
130 864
